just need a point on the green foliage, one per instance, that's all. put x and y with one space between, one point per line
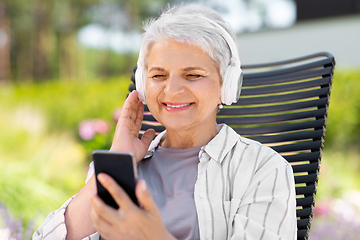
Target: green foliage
43 35
104 63
343 123
42 160
39 170
341 162
65 103
339 171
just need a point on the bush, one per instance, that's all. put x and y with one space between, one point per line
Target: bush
42 160
66 104
343 124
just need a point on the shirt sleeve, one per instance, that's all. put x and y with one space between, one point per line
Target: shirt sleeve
54 225
268 208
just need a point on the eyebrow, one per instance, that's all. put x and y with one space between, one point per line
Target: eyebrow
156 69
187 69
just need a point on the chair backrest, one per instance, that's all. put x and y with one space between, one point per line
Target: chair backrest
283 105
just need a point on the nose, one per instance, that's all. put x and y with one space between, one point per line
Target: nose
174 85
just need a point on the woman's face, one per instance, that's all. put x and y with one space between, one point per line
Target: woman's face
182 87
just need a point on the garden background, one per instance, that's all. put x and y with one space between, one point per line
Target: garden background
59 100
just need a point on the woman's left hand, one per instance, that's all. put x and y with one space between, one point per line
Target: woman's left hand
129 221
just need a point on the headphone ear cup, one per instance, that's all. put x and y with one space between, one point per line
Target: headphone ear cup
231 85
224 88
140 83
239 86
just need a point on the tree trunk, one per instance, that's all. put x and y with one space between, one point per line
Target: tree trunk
67 42
41 56
5 68
67 56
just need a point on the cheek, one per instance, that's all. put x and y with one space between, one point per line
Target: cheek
210 91
152 91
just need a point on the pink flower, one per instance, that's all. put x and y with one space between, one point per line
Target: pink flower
102 126
87 130
116 114
322 208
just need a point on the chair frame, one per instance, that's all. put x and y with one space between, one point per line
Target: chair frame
283 105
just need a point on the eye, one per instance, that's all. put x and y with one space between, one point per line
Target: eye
193 76
159 76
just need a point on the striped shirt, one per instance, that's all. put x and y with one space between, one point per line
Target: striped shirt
244 190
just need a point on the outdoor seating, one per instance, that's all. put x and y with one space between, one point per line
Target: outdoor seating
283 105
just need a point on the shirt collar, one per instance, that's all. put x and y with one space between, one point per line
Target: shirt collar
221 144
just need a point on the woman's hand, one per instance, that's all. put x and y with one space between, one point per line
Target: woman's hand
129 221
128 127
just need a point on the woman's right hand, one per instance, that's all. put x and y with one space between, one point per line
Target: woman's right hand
128 127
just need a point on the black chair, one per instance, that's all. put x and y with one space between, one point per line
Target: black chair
284 105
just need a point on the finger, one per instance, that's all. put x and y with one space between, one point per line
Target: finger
134 105
144 197
100 211
140 114
118 194
148 136
105 217
126 122
102 227
129 109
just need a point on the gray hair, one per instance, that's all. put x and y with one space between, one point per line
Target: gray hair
191 24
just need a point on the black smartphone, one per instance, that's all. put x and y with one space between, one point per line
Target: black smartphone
121 166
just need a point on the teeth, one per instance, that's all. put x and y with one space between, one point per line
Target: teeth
178 106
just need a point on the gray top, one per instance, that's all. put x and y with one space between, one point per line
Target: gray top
170 175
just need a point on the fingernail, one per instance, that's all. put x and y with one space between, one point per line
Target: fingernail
102 177
143 185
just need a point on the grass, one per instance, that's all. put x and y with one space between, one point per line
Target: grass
339 172
42 160
40 170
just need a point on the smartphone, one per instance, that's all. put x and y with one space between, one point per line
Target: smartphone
121 166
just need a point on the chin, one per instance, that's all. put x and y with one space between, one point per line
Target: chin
177 125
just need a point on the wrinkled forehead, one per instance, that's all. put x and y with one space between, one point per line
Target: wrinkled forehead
179 55
190 53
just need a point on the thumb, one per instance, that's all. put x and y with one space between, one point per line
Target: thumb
147 137
144 197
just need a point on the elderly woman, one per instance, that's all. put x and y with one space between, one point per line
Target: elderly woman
199 180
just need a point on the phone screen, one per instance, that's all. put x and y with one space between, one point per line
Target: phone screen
121 166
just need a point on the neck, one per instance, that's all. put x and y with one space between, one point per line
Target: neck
190 138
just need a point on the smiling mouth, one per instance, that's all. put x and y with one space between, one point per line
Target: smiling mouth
177 106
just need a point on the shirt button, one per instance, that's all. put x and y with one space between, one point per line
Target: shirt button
202 195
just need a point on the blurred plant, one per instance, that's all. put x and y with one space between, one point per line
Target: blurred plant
39 170
12 228
337 218
89 127
66 104
116 114
49 28
339 172
95 134
343 123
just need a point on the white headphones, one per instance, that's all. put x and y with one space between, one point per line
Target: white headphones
232 78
